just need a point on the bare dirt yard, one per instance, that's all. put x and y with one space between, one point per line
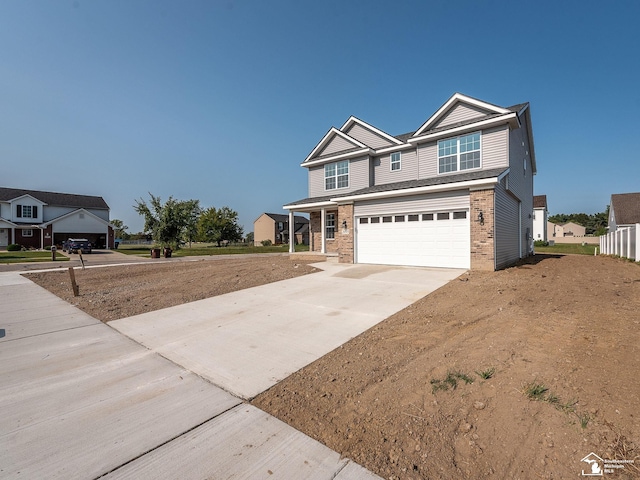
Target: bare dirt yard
520 373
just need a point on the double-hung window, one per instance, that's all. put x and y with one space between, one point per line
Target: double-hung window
336 175
461 153
395 161
330 226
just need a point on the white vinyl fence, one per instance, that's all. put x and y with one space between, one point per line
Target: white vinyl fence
624 242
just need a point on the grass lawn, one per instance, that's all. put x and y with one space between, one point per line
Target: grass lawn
18 257
210 249
567 248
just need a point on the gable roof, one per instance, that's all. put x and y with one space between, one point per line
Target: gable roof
454 100
353 120
330 135
626 208
539 201
53 198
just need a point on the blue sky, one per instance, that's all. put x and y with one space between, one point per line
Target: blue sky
222 100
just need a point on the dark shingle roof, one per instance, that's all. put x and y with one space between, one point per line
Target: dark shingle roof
280 217
539 201
425 182
626 207
52 198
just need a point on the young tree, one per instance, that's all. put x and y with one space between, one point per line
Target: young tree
120 229
218 225
250 238
192 213
166 222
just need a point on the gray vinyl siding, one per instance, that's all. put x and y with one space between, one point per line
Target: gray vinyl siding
433 202
460 113
382 173
368 137
520 181
428 160
506 234
337 144
494 150
358 178
494 147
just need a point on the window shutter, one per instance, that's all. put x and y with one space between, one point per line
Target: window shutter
19 211
34 211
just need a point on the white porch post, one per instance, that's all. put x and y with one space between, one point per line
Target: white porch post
637 235
41 238
292 238
323 242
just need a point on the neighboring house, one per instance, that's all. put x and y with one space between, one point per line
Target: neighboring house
38 219
457 192
275 227
540 214
571 229
554 230
624 210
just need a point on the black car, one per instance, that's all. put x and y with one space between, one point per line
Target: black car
75 245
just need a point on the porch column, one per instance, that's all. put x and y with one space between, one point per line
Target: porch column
292 238
323 242
41 238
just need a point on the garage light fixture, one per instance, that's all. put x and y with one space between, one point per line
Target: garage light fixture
481 218
344 224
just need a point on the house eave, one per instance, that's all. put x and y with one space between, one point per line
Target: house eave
511 119
469 184
334 158
303 207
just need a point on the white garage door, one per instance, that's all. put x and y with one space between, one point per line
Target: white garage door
437 239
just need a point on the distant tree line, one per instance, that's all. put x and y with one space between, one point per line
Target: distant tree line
595 224
175 222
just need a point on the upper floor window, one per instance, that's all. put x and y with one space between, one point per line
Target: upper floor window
336 175
26 211
461 153
395 161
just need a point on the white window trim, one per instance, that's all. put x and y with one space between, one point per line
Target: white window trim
30 207
457 139
327 227
324 175
30 230
399 162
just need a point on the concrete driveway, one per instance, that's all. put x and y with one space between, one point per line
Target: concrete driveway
247 341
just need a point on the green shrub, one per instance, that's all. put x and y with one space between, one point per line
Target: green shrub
540 243
47 247
266 243
14 247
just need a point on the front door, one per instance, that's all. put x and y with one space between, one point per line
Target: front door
4 237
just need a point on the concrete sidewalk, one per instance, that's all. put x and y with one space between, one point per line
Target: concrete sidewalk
81 400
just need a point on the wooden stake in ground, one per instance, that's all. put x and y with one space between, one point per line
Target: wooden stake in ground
74 285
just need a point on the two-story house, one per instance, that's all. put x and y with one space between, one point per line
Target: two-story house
540 215
457 192
37 219
275 228
624 211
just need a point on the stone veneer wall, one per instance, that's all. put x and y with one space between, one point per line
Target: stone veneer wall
482 236
344 237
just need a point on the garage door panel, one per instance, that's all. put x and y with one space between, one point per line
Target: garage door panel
434 243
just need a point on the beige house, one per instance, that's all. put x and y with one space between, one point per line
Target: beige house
455 193
275 228
569 229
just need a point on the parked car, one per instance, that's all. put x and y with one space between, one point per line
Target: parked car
75 245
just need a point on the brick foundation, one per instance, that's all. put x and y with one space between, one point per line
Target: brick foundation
482 235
